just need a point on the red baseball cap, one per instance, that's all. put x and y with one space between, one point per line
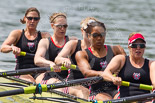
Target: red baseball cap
135 37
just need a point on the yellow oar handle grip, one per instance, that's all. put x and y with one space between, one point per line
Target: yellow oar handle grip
124 83
64 68
146 87
140 86
23 53
72 66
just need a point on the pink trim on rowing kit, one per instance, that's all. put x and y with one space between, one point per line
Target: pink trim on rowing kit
106 47
92 52
44 81
153 100
66 89
57 45
118 89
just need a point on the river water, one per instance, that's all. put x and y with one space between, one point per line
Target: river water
121 17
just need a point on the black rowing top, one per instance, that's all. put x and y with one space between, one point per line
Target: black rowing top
29 46
53 51
134 75
99 64
75 74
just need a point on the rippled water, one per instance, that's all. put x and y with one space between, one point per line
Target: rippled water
121 17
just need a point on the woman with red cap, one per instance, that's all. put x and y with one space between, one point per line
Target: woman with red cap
133 68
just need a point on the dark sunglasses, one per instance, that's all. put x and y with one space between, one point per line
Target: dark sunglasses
97 34
60 26
135 45
34 18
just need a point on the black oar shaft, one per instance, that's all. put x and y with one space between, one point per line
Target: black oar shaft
24 71
14 85
12 92
143 97
85 81
19 80
60 100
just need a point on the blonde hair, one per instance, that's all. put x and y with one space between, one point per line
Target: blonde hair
30 10
56 15
133 33
85 21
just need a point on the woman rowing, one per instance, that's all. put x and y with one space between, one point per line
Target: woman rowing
25 40
52 46
133 68
67 55
72 47
94 60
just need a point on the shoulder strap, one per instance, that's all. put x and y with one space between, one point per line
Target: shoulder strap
110 54
78 46
39 34
20 39
67 38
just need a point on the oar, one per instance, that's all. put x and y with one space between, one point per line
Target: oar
31 70
81 100
59 100
142 97
20 80
22 53
14 85
44 87
140 86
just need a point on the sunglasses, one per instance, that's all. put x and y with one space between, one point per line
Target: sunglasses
135 45
60 26
34 18
97 34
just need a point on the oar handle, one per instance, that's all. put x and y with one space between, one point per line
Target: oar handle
22 53
64 68
140 86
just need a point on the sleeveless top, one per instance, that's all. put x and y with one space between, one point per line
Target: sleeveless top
134 75
53 52
99 64
29 46
78 48
75 74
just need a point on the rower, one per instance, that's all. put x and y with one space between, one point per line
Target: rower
25 40
70 50
52 46
133 68
93 61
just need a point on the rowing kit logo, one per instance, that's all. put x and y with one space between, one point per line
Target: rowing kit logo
32 46
136 76
103 64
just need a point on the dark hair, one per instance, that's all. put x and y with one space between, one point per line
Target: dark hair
30 10
93 24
